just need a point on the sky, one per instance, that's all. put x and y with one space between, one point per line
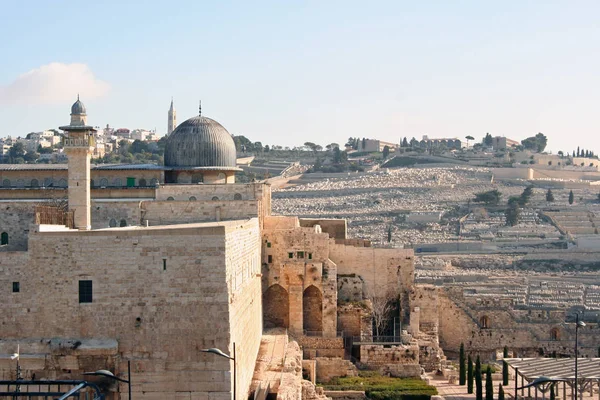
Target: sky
288 72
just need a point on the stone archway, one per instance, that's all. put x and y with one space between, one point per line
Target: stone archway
312 309
276 306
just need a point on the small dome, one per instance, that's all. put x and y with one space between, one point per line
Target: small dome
78 108
200 142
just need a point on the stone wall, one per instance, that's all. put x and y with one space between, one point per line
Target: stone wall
350 288
336 228
355 319
162 293
180 212
328 368
401 361
15 220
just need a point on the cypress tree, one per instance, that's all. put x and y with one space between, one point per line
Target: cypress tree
505 367
552 395
501 393
470 375
462 377
478 382
571 197
489 385
599 352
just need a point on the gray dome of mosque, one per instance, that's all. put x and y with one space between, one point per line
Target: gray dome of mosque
78 108
200 142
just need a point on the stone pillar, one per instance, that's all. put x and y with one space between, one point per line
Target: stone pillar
296 317
329 299
79 185
415 316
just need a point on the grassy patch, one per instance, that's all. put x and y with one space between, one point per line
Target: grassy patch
378 387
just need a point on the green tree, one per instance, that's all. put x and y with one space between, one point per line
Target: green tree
526 195
478 382
535 143
16 150
258 147
491 197
414 143
550 195
462 375
571 197
513 211
500 393
505 367
488 140
489 385
469 375
386 151
31 157
404 142
389 234
469 137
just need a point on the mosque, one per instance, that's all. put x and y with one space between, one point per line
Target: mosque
150 265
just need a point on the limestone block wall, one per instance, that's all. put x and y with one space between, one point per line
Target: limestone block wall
426 298
15 220
336 228
162 293
179 212
242 246
376 354
350 288
247 191
117 211
388 272
354 319
328 368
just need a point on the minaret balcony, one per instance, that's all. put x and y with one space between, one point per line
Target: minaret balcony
79 142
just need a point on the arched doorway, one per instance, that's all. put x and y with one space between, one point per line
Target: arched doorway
554 334
276 306
312 309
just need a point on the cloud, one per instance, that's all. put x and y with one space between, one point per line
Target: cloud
53 83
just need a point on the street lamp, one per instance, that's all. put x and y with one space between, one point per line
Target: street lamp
110 375
578 324
221 354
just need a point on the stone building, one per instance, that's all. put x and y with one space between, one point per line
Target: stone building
162 262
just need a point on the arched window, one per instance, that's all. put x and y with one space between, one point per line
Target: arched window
48 182
154 182
118 182
192 198
554 334
142 182
170 198
215 198
4 239
112 223
62 183
35 183
197 177
123 223
104 182
20 183
6 183
222 177
312 309
237 196
484 322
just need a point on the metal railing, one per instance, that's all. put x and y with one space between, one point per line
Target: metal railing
377 339
21 389
323 334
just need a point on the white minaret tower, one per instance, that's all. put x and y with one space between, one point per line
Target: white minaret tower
172 119
79 144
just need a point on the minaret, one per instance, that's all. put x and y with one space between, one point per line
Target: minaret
79 144
172 119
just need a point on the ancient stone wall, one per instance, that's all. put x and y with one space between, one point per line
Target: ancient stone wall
163 293
336 228
328 368
180 212
350 288
15 221
242 251
426 298
355 319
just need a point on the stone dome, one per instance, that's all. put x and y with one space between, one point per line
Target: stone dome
200 142
78 108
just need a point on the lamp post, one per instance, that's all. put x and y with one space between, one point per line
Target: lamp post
232 358
578 324
110 375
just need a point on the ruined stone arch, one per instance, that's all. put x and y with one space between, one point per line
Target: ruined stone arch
312 309
484 322
276 306
237 196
